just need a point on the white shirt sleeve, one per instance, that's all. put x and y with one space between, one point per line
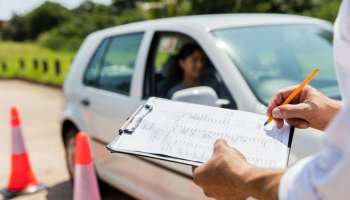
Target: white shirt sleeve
327 174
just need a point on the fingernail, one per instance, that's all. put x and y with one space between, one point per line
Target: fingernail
277 113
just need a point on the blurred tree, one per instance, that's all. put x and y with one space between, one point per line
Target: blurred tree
90 17
324 9
209 7
45 17
122 5
15 29
165 8
317 8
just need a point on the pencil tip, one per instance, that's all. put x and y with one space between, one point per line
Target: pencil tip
265 123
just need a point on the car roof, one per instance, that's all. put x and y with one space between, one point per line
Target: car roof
220 21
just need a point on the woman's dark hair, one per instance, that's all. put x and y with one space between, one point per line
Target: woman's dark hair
187 50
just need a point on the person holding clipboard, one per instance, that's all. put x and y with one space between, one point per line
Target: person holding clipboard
326 175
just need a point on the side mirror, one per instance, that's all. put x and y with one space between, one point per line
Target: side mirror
199 95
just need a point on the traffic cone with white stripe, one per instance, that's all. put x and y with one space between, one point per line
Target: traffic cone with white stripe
85 183
22 179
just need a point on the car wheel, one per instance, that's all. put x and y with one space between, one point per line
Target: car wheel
107 191
69 141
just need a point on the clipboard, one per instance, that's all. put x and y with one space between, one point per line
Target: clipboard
132 124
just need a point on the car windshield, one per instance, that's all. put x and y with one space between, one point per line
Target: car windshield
273 57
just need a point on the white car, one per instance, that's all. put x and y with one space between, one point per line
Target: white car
249 57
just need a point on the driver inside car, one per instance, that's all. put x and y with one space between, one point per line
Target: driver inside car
189 63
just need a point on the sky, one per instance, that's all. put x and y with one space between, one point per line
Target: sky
8 7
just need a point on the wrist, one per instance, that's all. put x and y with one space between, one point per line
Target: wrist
333 107
263 183
336 105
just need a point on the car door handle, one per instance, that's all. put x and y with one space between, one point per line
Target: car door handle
85 102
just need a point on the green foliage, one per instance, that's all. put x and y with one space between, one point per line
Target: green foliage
16 29
121 5
92 17
45 17
39 20
68 36
327 10
316 8
209 7
323 9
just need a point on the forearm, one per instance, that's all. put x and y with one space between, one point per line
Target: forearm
264 183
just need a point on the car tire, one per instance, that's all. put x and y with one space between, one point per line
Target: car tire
107 191
69 142
69 146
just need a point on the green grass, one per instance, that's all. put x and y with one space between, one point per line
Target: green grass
12 52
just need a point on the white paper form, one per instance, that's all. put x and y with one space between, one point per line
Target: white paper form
188 131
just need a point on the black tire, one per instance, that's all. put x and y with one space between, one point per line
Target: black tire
69 146
107 191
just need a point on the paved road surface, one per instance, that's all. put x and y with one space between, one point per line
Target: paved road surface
40 108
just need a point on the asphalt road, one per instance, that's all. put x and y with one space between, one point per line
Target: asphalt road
40 108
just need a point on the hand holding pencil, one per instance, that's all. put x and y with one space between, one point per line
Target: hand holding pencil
297 90
308 108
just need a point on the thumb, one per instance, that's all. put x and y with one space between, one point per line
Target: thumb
220 146
291 111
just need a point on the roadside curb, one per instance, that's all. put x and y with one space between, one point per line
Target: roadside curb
33 82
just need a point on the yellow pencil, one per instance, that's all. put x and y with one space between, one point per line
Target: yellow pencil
297 90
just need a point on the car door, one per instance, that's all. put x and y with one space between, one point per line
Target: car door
108 81
159 78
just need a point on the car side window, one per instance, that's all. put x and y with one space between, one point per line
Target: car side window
117 66
91 73
162 71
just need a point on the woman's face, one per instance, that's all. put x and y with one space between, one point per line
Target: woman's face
193 65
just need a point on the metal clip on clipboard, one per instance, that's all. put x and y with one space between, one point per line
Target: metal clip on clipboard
135 120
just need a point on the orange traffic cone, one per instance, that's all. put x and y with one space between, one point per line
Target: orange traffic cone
22 179
85 183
